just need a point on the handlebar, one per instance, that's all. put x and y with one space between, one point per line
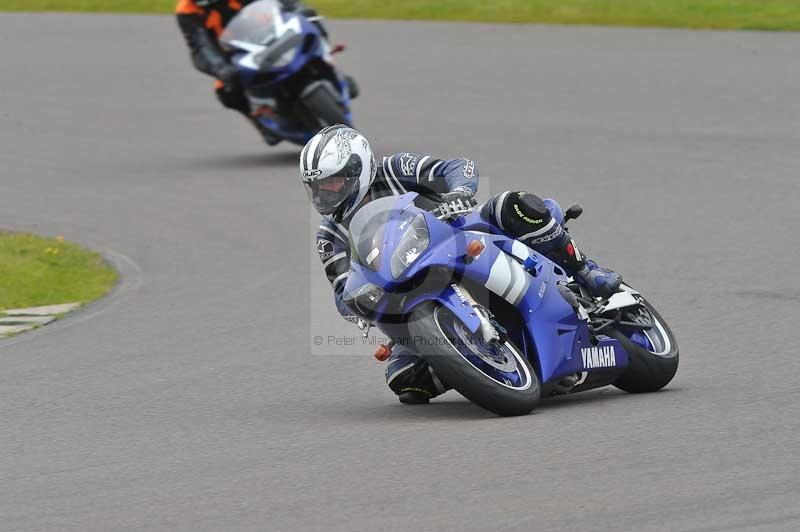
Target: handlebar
450 214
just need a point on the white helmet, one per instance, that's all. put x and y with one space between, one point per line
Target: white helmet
337 168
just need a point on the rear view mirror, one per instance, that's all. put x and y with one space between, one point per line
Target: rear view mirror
574 211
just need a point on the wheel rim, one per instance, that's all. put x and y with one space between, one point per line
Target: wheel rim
655 339
501 363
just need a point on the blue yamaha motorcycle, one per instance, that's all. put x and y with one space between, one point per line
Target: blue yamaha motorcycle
497 321
287 71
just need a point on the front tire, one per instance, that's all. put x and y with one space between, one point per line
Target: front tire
322 108
652 367
473 368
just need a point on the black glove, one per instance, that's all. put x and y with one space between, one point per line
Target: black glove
459 199
289 5
311 14
228 74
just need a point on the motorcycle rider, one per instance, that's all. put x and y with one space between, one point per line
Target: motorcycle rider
339 172
203 21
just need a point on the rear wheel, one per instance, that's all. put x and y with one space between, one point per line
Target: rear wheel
652 352
496 376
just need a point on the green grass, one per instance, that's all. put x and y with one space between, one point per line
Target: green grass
721 14
37 271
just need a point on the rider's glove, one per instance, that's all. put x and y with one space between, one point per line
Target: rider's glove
294 6
361 323
289 5
458 199
229 75
364 324
462 193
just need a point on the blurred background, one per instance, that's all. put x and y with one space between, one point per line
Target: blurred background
720 14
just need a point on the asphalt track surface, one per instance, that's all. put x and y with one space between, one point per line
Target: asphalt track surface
194 399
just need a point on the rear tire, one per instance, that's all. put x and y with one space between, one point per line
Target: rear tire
648 371
437 347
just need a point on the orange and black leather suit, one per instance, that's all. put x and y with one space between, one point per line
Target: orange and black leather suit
202 22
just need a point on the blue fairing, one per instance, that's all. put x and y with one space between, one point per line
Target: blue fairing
555 339
297 43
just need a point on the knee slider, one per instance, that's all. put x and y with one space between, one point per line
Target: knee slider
233 99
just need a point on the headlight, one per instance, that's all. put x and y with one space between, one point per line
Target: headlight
413 243
286 58
264 61
365 300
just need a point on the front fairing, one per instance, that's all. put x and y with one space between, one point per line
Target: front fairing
377 230
557 337
268 45
375 233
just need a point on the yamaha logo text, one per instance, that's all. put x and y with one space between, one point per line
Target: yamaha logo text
599 357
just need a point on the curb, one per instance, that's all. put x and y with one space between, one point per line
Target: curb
15 321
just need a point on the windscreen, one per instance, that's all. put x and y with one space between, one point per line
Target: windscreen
366 231
269 37
255 24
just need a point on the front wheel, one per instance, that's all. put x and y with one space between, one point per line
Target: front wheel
322 107
496 376
652 352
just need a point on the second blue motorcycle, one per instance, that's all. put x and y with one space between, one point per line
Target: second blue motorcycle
287 69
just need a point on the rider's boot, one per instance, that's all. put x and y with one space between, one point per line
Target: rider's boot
269 137
411 378
538 224
414 397
233 97
600 282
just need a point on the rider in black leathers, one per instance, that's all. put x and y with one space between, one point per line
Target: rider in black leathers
203 21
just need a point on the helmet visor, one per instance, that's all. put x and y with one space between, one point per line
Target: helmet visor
330 193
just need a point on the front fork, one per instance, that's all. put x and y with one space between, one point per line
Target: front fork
487 329
457 299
